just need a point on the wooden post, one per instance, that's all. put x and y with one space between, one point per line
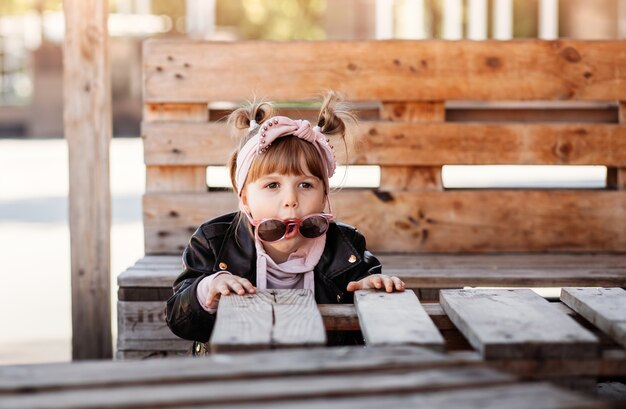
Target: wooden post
616 176
87 116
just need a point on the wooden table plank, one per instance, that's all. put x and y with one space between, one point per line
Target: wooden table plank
604 307
288 362
487 261
611 363
520 396
395 319
297 321
440 271
267 319
516 324
262 390
243 322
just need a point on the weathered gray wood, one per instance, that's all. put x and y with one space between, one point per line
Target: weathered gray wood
615 391
395 319
604 307
302 362
516 324
87 117
520 396
611 363
156 346
138 355
437 271
244 322
148 277
142 329
453 261
142 321
141 325
297 321
253 391
267 319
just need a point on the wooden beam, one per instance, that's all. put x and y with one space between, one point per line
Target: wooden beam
433 70
410 143
456 221
616 176
87 116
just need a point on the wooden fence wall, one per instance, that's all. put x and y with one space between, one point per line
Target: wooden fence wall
406 90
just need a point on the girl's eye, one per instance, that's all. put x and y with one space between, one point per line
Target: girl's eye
272 185
306 185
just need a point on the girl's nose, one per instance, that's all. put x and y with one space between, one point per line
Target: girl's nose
291 202
290 199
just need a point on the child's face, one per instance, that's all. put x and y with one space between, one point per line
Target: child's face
284 196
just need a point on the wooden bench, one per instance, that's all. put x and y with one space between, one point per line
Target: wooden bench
411 97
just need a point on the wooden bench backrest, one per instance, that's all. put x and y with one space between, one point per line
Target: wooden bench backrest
406 130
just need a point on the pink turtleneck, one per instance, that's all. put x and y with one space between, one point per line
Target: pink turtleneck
295 272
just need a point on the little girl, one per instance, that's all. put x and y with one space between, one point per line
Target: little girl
284 235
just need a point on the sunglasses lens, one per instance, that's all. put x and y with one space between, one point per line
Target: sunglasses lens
313 226
271 230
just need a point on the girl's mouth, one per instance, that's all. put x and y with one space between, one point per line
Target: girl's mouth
291 231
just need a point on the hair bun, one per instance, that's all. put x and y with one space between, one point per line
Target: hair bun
334 115
259 112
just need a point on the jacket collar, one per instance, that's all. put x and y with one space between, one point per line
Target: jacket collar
239 254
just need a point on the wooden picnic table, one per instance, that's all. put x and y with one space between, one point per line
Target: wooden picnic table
340 377
268 352
513 329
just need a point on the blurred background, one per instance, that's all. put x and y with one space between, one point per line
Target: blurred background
35 311
31 37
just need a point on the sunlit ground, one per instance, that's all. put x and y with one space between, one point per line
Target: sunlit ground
35 291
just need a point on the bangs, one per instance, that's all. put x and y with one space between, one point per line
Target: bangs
289 155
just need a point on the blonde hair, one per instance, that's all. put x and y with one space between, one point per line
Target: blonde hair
290 154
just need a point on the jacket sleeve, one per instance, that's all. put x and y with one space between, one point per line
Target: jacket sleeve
184 315
370 264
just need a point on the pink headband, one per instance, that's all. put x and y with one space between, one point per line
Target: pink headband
273 129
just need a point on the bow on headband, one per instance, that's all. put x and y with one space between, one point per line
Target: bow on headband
275 128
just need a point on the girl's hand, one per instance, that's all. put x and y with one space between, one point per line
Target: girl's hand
224 284
377 281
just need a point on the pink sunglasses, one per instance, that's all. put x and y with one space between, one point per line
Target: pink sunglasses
311 226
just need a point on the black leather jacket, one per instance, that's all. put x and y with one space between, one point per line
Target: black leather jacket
225 243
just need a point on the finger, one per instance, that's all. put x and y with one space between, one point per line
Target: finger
215 301
398 283
376 281
212 292
212 298
236 287
388 282
247 285
223 289
353 286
